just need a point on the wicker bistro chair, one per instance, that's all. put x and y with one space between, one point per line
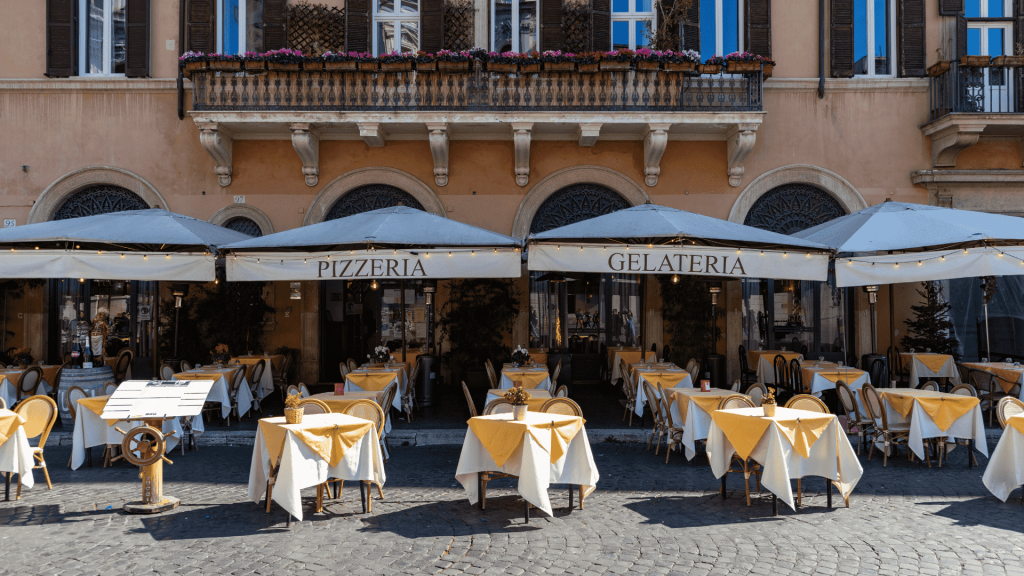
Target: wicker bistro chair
807 402
352 365
237 377
491 376
931 386
782 385
627 387
186 365
884 432
314 406
747 376
28 382
673 431
71 398
854 419
124 362
735 386
469 400
254 386
757 392
304 390
554 376
387 399
166 372
369 410
1007 408
990 390
733 401
109 388
659 421
748 466
499 406
39 412
293 389
563 406
796 377
562 392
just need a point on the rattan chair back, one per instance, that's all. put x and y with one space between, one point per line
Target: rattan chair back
39 412
237 377
558 370
873 404
28 382
257 373
469 400
166 372
931 386
491 376
796 377
964 390
690 364
1007 408
562 406
304 390
499 406
71 398
807 402
652 396
665 409
562 392
109 388
314 406
848 401
388 398
343 369
735 401
352 365
367 410
735 386
124 361
781 372
756 392
293 389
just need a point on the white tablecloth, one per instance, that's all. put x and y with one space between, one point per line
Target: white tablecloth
641 396
9 390
396 402
301 467
220 392
1005 470
16 456
616 361
918 370
830 457
983 376
91 430
696 427
970 426
531 462
819 384
506 382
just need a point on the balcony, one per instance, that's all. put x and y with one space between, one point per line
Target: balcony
436 106
967 103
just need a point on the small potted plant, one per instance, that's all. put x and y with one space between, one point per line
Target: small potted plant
193 62
588 62
365 62
713 65
529 62
396 61
768 403
253 62
742 62
379 356
425 62
283 60
503 62
518 397
221 354
685 61
557 61
456 61
520 356
225 63
23 356
292 410
339 60
621 59
648 60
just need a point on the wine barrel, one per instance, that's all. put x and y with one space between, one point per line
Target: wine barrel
89 379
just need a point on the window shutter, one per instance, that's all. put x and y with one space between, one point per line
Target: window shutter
199 27
61 48
758 18
550 25
911 39
950 7
357 26
691 27
961 35
1018 40
431 25
275 24
601 25
136 31
841 61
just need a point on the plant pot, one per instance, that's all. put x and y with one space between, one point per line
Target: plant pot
337 66
769 409
1008 61
647 66
198 66
613 65
766 70
560 66
709 68
226 65
293 415
315 66
453 66
519 413
974 61
367 66
588 67
735 67
395 66
502 67
254 65
680 66
427 66
284 66
529 68
939 68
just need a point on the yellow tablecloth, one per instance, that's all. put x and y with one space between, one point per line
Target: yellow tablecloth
802 428
529 378
9 424
13 373
330 442
1015 422
708 401
502 436
1009 375
667 379
375 380
934 362
338 403
538 355
96 404
943 408
275 361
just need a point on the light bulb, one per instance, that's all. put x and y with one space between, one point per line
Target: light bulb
675 279
373 285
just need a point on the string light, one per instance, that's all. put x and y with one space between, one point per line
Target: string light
762 252
675 279
449 254
168 257
472 252
145 257
374 285
122 256
918 262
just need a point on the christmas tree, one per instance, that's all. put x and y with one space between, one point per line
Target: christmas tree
931 328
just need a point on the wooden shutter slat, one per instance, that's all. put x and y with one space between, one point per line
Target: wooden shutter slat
357 25
550 25
200 27
61 44
431 25
911 39
758 31
1018 40
841 50
691 27
137 39
961 35
275 24
601 25
950 7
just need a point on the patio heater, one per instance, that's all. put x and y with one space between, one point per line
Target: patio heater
714 364
179 291
429 363
868 359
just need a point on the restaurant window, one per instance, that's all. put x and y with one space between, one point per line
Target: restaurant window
396 26
244 225
632 23
515 25
240 27
874 37
101 37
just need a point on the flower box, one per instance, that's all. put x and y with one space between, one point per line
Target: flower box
531 68
614 65
502 67
710 68
335 66
449 66
309 65
559 66
680 66
1008 61
427 66
226 65
739 66
766 70
254 65
974 61
395 66
197 66
647 66
939 68
367 66
284 66
589 67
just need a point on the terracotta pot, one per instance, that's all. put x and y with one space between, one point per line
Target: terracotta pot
710 68
334 66
226 65
519 413
453 66
767 69
427 66
680 66
502 68
613 65
648 66
395 66
367 66
974 61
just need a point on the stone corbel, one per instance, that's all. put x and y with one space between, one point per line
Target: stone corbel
741 142
371 133
588 133
306 141
521 141
439 150
217 142
950 140
655 142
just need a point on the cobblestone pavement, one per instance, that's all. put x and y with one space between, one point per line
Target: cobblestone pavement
646 517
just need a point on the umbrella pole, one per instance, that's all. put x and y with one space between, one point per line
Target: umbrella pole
892 320
988 342
401 286
643 317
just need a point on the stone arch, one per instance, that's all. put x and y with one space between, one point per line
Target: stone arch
606 177
228 213
826 180
56 193
338 187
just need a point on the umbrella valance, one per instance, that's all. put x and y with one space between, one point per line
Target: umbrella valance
398 242
651 239
136 244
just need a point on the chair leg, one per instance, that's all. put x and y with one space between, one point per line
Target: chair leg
380 492
799 492
746 482
369 500
270 491
46 474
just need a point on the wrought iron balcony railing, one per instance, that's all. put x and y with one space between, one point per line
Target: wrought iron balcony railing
477 91
974 89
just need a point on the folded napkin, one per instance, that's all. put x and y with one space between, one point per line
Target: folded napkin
744 429
9 424
331 441
943 408
501 436
96 404
934 362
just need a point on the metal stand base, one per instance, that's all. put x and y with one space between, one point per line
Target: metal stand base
167 503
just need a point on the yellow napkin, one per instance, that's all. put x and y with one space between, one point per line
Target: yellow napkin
372 381
9 424
847 376
743 431
96 404
1007 373
1014 421
529 378
501 435
934 362
667 379
708 401
943 408
803 430
331 442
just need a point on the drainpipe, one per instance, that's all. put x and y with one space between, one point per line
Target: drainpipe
181 50
821 49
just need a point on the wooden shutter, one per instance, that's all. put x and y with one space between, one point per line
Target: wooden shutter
758 19
691 27
200 27
136 32
275 24
950 7
431 25
550 25
357 26
601 25
61 47
911 39
841 60
1018 40
961 36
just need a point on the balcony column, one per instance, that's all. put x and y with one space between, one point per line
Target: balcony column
438 135
521 141
218 143
306 141
655 142
372 134
588 133
741 142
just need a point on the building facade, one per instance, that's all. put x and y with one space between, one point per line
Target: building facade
93 118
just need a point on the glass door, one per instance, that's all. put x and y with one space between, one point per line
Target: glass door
579 312
992 39
798 316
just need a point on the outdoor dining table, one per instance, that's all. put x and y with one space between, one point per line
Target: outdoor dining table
221 390
338 403
290 457
791 444
1006 374
90 430
668 375
537 398
273 366
820 376
541 450
538 355
691 408
930 365
9 382
1005 470
376 379
763 363
630 355
532 376
15 451
935 415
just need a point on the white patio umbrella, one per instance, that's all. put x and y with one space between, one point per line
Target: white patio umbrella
135 244
397 243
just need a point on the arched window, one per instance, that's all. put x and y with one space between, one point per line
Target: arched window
371 197
101 199
245 226
790 208
576 203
